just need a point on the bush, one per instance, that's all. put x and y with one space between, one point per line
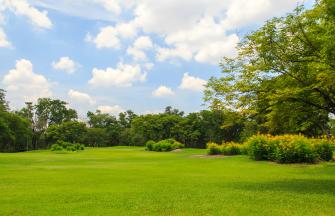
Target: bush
149 145
297 150
290 149
261 148
61 145
230 148
163 145
214 149
324 149
56 147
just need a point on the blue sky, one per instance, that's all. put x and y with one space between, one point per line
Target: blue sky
115 55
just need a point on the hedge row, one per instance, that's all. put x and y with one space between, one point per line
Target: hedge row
226 149
290 148
67 146
281 149
163 145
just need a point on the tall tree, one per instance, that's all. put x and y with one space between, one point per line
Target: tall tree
286 64
3 103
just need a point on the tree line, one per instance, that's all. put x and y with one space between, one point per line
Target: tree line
38 126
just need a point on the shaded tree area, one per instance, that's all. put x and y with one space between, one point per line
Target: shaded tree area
284 75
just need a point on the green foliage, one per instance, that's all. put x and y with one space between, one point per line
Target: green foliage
290 149
49 112
67 146
229 148
66 131
284 74
149 145
164 145
325 149
214 149
96 137
15 133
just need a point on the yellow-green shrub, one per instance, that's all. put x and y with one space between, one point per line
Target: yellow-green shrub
214 148
229 148
290 148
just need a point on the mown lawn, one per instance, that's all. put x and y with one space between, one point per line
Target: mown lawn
131 181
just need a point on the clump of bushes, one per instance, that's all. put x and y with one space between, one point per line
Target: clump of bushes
290 148
66 146
163 145
229 148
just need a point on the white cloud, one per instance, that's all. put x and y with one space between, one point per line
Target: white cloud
109 36
123 75
80 97
137 50
104 10
23 8
23 84
66 64
110 5
3 39
114 110
143 43
162 91
203 29
192 83
178 52
138 55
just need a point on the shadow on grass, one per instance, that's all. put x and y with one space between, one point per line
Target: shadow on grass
299 186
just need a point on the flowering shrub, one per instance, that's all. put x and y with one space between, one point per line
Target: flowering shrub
290 148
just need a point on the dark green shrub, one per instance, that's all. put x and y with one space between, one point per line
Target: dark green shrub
149 145
56 147
261 148
324 149
62 145
164 145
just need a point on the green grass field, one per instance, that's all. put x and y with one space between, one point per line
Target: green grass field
131 181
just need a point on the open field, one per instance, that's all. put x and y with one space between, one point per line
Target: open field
131 181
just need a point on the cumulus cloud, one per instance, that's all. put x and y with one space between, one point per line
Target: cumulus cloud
23 8
140 45
3 39
114 110
170 53
109 36
23 84
203 29
110 5
80 97
143 42
65 64
123 75
192 83
162 91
